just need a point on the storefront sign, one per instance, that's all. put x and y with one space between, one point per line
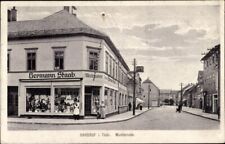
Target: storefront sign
110 79
93 75
58 75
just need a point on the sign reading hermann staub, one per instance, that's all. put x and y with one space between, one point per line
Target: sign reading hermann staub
58 75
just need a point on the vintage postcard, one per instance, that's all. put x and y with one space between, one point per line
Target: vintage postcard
112 72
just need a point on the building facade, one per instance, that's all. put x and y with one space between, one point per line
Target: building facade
57 59
197 100
168 97
150 94
211 79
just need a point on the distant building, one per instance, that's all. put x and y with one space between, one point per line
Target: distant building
211 78
197 99
168 97
151 90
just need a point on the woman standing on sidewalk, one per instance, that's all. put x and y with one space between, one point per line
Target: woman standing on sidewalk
76 110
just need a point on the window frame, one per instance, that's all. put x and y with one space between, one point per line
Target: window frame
58 49
31 50
95 50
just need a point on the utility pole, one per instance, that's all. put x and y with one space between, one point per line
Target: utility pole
134 98
148 94
181 95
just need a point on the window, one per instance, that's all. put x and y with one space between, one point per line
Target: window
115 99
65 98
106 62
93 60
116 71
110 66
113 70
8 61
59 60
38 100
31 60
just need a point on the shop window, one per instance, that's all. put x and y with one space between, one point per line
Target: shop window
96 101
59 60
93 60
65 98
31 60
38 100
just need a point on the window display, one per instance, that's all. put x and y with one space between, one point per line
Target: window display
96 101
64 99
38 100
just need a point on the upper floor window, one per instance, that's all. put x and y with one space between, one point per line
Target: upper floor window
93 59
59 57
116 71
8 60
113 70
106 62
59 60
31 58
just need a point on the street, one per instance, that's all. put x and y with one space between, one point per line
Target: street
163 118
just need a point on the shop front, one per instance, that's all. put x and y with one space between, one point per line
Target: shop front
49 97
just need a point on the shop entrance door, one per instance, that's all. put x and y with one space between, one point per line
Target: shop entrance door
87 104
12 101
215 103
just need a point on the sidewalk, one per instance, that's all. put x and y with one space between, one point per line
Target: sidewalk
56 121
199 112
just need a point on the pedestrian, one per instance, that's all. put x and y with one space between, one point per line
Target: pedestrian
140 106
97 105
102 110
129 105
76 110
179 107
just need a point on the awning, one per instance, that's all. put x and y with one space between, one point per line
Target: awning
139 101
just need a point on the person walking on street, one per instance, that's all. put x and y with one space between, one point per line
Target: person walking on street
179 107
129 106
76 110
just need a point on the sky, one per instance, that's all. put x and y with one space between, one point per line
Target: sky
167 40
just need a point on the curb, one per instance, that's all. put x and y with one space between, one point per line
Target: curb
201 116
113 121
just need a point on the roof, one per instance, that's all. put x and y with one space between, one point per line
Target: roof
212 51
58 24
149 81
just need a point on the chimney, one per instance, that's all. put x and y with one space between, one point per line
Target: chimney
67 8
9 16
13 14
70 9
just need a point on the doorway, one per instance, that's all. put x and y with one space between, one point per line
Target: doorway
91 100
12 101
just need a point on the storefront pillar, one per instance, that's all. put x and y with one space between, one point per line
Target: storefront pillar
52 98
102 93
82 99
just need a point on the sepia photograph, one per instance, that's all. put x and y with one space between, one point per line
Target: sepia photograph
113 70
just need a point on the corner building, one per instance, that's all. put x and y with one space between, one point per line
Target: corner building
56 59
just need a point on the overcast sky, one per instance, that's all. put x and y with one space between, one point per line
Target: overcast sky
167 40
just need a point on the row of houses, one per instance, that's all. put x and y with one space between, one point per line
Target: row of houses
205 93
59 58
